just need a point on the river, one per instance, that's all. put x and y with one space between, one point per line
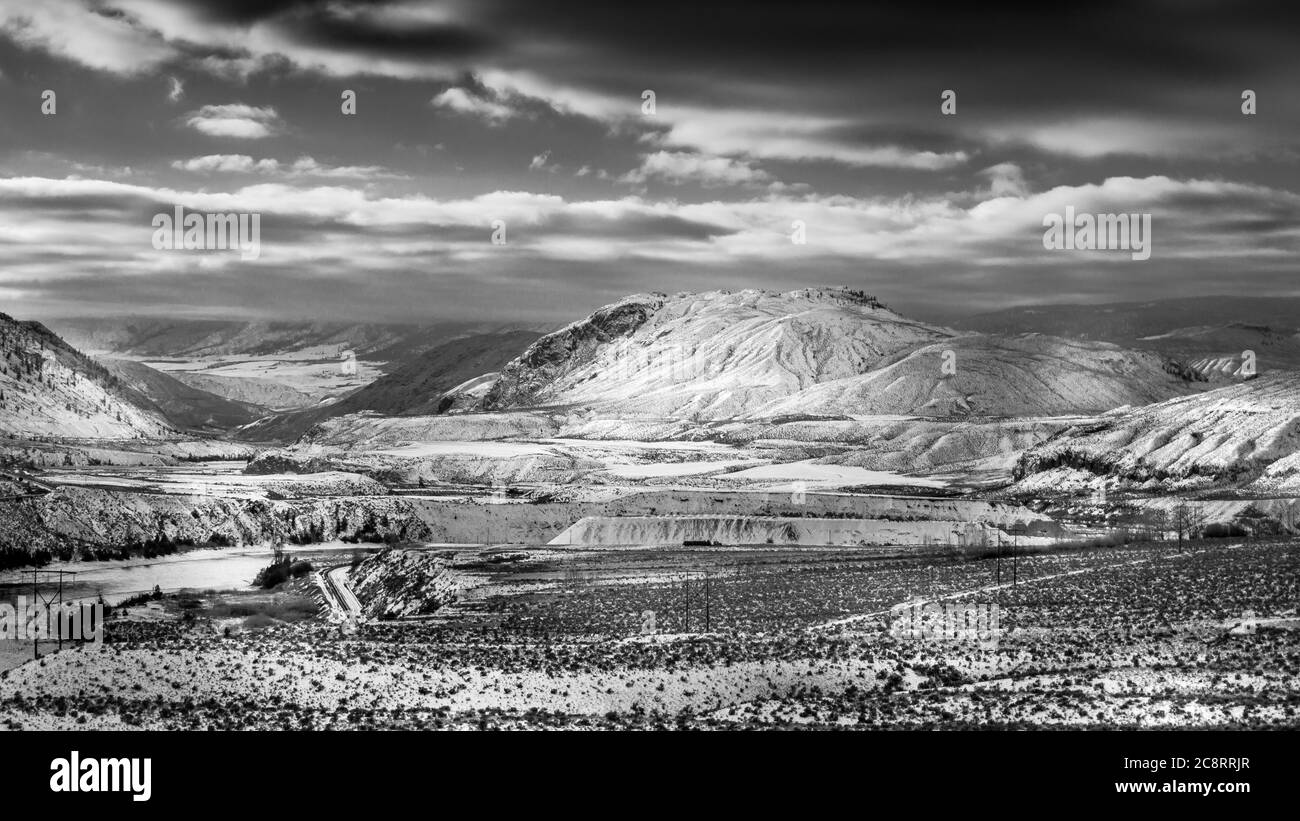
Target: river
231 568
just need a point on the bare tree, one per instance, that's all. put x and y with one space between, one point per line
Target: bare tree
1180 519
1156 520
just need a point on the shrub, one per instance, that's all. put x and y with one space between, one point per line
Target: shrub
278 573
258 621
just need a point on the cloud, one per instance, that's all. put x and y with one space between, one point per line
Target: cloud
679 167
465 102
308 167
175 89
540 162
1006 180
1094 137
118 43
236 120
361 236
760 134
131 37
301 167
226 163
793 136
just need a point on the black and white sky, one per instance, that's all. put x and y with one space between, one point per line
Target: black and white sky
531 112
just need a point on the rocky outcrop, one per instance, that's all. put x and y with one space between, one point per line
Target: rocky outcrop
556 355
1226 437
676 531
403 583
74 519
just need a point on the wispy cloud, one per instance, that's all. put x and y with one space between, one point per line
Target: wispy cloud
465 102
680 167
301 167
721 131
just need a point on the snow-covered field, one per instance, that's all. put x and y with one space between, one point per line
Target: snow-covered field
823 476
315 373
222 480
1088 639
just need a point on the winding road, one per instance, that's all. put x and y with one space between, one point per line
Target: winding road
342 601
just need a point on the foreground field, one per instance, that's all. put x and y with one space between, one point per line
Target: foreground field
1158 635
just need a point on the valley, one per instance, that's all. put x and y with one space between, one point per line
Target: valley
697 510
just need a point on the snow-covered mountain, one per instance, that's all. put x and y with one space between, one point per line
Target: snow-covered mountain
714 355
48 389
1246 433
1027 375
820 352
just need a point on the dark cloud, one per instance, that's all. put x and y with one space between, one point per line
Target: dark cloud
252 11
435 42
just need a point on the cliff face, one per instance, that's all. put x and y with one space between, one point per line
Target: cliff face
1241 433
674 531
397 583
78 519
525 379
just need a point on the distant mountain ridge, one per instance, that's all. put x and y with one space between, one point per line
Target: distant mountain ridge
1212 332
187 407
1121 321
150 337
416 387
147 337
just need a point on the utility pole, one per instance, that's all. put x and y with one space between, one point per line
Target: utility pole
706 602
54 599
1016 529
59 623
686 586
999 571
